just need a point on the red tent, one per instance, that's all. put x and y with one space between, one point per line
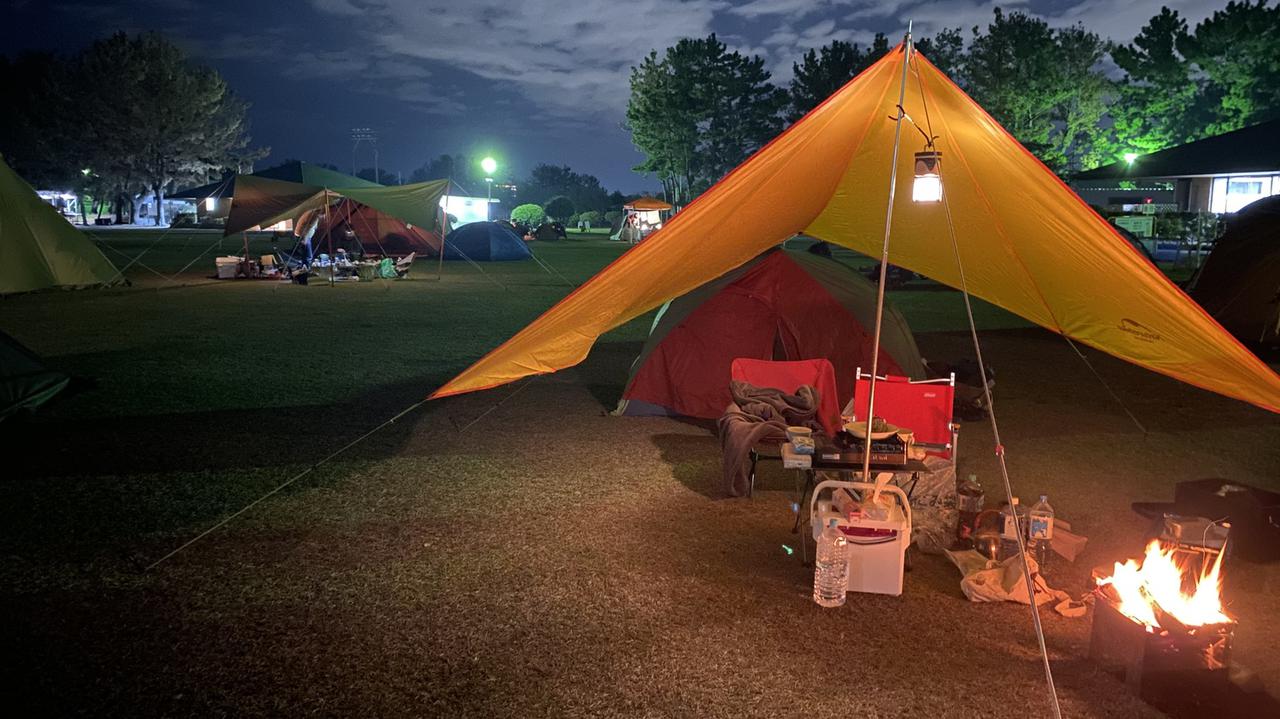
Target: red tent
782 306
377 232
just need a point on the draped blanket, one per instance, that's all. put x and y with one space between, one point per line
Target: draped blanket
760 414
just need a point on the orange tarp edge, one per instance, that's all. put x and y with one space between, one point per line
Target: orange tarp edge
1028 243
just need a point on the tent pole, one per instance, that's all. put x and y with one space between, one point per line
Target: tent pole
884 256
328 228
444 229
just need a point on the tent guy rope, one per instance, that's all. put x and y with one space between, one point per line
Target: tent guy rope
278 488
995 428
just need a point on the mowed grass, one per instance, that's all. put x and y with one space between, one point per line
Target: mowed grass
514 552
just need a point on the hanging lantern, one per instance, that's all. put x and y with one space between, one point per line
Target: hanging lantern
928 184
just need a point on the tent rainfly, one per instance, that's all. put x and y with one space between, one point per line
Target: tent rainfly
39 248
1027 242
782 306
261 201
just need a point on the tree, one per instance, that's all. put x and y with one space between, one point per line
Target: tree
383 177
946 51
823 71
593 218
462 169
1158 100
1045 86
1238 51
559 208
698 111
530 215
157 117
547 181
1080 140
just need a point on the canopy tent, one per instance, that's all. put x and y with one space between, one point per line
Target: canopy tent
1028 243
262 201
303 173
486 241
39 248
376 232
25 382
780 306
646 204
1239 283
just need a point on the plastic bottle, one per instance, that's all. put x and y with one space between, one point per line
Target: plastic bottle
831 568
1040 532
1008 531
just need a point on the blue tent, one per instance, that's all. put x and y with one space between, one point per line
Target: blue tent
485 241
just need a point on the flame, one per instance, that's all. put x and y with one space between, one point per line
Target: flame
1158 582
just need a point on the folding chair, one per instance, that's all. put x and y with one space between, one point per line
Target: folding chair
923 406
789 376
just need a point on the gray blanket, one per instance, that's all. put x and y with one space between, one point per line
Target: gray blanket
759 414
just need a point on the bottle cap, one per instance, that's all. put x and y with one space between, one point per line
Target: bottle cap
1044 498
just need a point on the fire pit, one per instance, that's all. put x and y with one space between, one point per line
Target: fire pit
1162 624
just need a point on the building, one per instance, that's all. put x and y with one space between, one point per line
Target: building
1218 174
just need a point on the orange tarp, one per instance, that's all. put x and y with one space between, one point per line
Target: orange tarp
1027 242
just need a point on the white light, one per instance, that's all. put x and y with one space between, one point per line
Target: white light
208 204
927 188
928 184
1129 157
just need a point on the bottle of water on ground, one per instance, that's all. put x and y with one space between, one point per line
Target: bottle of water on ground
831 568
1040 532
1009 528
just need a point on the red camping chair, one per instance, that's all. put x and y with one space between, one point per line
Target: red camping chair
789 376
923 406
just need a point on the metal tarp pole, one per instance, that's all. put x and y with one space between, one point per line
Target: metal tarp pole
884 257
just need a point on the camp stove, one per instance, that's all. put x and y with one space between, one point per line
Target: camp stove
1162 625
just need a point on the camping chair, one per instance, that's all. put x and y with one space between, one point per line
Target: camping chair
404 264
268 264
789 377
923 406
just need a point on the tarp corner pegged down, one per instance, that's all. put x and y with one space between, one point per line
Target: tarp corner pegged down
1028 243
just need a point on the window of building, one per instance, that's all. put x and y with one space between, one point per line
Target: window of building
1231 194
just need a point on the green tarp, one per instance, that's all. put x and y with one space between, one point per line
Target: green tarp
260 202
25 383
38 247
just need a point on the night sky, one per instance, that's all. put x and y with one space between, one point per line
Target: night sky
529 82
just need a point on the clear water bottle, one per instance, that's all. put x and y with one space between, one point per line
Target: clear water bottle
1040 532
831 568
1009 528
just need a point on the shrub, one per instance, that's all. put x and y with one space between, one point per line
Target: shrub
183 219
591 217
612 217
559 208
530 215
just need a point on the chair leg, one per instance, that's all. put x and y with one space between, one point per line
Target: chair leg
751 479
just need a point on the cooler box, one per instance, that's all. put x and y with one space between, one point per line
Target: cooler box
227 267
877 547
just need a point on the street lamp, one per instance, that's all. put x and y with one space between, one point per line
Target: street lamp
1129 157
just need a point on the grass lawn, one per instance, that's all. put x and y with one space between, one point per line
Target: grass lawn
515 552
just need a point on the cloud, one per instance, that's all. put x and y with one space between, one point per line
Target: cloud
578 64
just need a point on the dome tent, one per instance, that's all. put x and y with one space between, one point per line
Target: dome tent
1239 283
485 241
780 306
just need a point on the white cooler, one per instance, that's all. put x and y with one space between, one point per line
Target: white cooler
228 267
876 561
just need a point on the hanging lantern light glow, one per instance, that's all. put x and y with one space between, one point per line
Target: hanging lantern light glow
928 184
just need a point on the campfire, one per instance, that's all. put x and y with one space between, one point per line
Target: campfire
1156 590
1162 624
